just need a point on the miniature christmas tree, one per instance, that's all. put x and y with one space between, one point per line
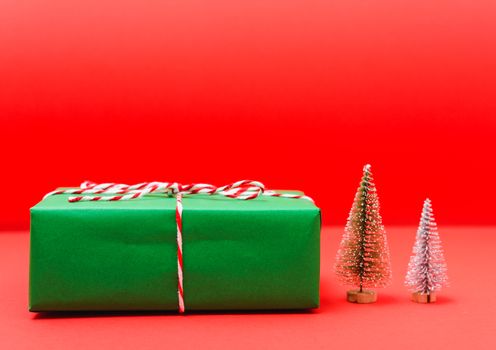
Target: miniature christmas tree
363 257
427 268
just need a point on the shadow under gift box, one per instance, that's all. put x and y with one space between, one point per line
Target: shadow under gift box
260 254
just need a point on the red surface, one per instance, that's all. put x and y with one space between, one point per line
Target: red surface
290 93
463 317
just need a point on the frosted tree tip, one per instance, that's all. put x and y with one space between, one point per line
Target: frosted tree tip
366 168
427 201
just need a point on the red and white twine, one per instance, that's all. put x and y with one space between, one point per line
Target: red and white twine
179 239
244 190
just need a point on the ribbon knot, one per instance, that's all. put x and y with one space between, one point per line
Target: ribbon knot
90 191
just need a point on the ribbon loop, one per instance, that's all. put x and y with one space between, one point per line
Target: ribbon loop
90 191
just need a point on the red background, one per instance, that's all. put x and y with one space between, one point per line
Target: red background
297 94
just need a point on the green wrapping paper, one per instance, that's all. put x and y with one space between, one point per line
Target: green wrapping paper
238 254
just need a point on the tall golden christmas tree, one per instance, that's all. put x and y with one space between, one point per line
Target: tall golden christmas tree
363 257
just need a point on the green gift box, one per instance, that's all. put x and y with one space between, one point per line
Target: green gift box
259 254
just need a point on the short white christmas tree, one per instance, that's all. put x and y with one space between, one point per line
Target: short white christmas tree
427 271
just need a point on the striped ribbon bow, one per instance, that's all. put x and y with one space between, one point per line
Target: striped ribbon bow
244 190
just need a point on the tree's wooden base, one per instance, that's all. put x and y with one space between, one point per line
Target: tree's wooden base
424 298
363 297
